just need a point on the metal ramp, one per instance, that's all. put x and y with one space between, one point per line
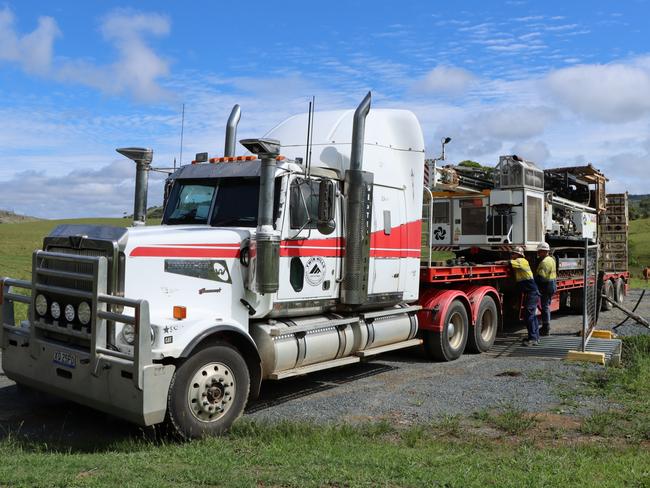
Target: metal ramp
555 347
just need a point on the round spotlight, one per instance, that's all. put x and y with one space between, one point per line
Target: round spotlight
55 310
41 305
84 313
69 313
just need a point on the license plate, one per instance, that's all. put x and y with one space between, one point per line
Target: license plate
65 359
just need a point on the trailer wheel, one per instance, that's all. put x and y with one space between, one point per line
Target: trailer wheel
576 301
620 290
564 300
608 291
448 344
482 335
208 392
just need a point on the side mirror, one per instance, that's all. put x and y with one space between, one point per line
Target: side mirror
326 202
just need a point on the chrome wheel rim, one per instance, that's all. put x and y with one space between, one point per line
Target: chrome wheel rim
211 392
455 330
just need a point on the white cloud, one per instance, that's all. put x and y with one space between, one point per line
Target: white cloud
445 80
32 51
136 71
105 192
512 123
535 151
617 92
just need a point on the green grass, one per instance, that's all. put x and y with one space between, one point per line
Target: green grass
628 386
509 419
305 455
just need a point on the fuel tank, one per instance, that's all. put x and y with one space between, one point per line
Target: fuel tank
286 344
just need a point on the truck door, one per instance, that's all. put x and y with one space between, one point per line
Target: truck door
386 241
310 262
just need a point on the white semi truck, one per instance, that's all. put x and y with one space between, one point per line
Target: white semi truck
305 254
264 267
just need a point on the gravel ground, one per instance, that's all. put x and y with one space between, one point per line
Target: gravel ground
403 388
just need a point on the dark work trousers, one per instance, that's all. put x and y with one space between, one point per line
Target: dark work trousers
546 290
530 314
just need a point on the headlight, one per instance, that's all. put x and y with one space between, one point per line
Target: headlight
41 304
55 310
84 313
69 313
128 334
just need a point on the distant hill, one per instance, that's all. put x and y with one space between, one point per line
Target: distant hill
634 198
9 217
152 213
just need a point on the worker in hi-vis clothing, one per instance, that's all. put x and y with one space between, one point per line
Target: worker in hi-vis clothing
527 286
546 279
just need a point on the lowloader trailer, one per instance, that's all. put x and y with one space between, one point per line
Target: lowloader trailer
300 256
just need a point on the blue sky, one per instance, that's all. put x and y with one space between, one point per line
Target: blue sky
560 83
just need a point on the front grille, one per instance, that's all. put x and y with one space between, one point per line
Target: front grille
85 268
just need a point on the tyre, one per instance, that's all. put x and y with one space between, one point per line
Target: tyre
576 301
448 344
609 292
564 300
482 335
208 392
620 290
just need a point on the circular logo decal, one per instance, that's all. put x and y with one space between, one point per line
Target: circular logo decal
315 270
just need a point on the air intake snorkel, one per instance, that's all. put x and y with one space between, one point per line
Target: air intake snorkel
267 239
358 193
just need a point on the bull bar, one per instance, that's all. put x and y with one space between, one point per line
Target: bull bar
100 378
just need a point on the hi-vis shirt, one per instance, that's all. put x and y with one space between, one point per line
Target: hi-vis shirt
546 269
521 269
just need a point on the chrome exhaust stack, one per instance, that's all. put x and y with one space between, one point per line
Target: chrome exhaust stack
267 239
231 131
142 158
358 221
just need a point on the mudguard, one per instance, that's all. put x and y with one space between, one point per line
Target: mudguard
435 302
475 294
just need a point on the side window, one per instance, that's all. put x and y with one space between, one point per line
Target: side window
303 203
440 212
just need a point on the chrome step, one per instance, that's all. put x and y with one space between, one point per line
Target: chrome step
389 347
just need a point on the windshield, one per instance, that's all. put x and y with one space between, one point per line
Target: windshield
189 204
224 202
236 202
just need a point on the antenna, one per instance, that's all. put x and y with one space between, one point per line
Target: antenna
310 133
180 159
308 130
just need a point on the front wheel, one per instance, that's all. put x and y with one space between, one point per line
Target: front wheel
448 344
208 392
482 335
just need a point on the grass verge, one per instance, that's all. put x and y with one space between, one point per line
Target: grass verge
304 455
629 387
